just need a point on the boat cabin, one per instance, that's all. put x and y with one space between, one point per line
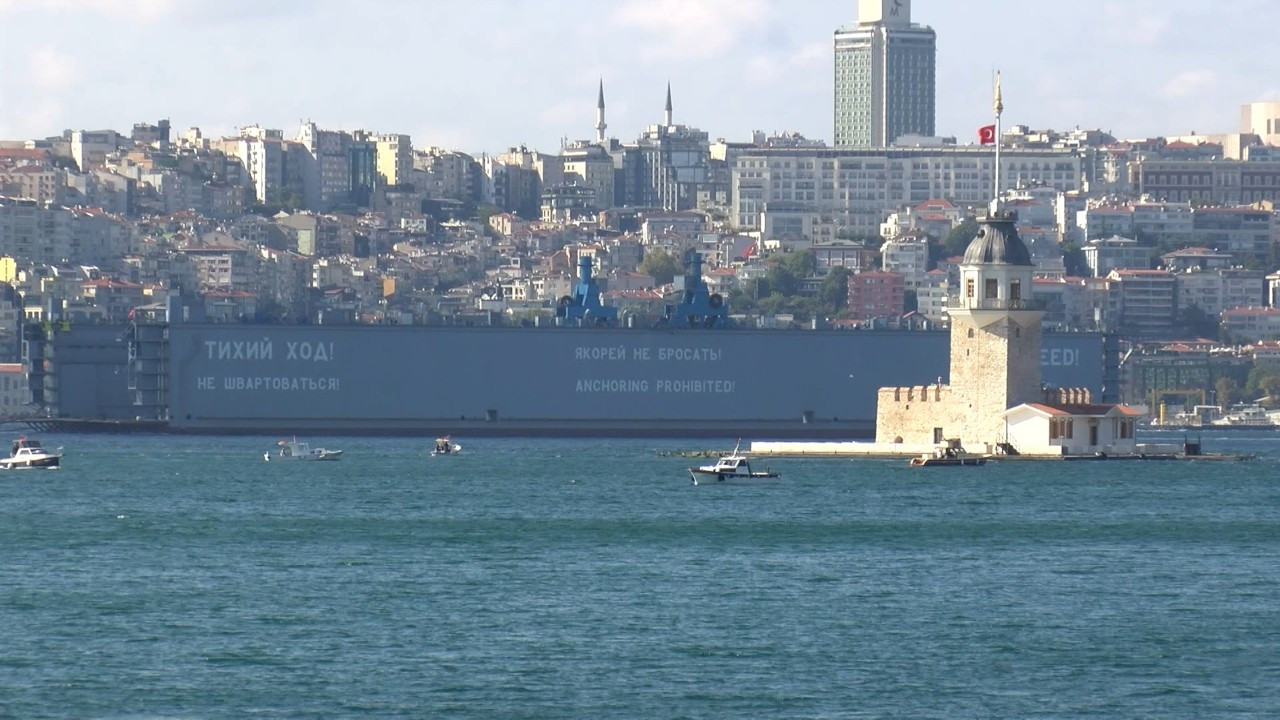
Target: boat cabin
23 443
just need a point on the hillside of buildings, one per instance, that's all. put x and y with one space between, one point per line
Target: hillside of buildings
1169 243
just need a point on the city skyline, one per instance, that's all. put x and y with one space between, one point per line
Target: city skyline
488 76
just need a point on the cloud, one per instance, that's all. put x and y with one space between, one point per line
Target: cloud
799 64
137 10
688 29
1190 83
1136 24
51 68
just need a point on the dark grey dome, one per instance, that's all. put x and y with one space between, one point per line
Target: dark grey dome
997 243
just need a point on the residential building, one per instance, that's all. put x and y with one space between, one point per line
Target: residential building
1250 324
876 294
932 295
908 256
395 158
1148 300
1195 258
15 393
853 256
1103 255
1261 119
1221 182
1244 232
591 166
667 167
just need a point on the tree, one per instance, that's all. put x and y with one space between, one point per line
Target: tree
1264 380
834 292
661 265
1073 260
782 279
483 212
960 236
1196 322
1227 391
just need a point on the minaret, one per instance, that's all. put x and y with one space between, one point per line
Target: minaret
600 123
666 115
995 330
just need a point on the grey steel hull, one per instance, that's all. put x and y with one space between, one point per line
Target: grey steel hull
559 381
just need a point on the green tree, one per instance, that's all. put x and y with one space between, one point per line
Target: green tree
1227 390
959 238
773 304
1196 322
662 265
782 279
1073 260
834 292
1270 387
803 264
482 213
910 301
1264 379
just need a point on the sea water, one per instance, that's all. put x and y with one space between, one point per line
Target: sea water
158 576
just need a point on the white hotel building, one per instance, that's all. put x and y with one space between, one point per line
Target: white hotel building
857 188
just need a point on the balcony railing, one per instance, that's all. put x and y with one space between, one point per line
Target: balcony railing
995 304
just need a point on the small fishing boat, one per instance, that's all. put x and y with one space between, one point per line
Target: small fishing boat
296 449
27 453
445 446
949 455
732 469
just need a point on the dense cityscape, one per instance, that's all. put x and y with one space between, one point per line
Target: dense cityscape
1167 242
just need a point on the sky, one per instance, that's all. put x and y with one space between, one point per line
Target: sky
486 75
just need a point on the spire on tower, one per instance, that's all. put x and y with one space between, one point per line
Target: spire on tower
600 102
666 116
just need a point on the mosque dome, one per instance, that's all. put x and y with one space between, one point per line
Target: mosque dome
997 243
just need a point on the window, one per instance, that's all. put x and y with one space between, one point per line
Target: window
1015 290
968 287
992 290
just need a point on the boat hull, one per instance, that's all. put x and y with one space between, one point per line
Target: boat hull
47 462
557 381
707 477
947 462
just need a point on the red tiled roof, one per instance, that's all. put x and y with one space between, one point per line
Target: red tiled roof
1083 409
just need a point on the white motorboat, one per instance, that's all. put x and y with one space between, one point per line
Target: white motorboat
948 454
27 453
733 469
296 449
446 446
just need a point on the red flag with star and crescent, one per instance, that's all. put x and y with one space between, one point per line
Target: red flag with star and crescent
987 135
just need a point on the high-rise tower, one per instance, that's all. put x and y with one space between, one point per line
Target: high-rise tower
884 76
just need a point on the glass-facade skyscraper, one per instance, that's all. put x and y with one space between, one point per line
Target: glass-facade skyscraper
884 76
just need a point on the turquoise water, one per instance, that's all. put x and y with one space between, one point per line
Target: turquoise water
184 577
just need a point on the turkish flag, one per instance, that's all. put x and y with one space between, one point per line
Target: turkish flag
987 135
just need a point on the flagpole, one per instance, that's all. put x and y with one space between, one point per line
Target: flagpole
998 105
